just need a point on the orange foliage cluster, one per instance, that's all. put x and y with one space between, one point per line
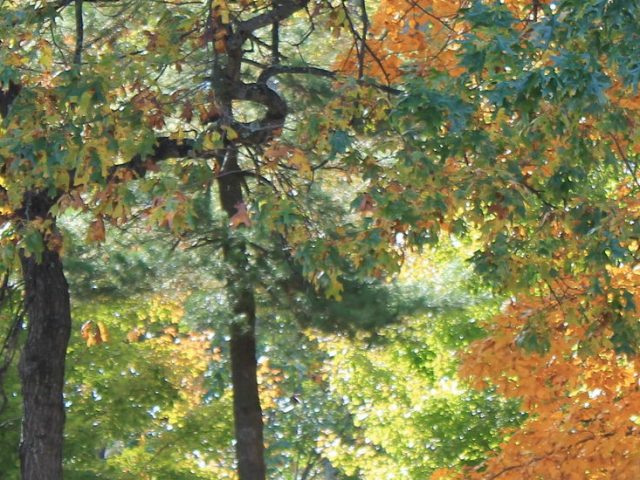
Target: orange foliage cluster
583 408
423 30
629 99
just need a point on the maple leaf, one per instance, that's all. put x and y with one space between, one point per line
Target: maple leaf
241 216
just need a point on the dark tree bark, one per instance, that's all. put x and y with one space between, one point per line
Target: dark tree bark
43 359
247 413
47 306
7 96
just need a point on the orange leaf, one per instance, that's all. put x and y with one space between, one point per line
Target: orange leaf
241 217
92 333
104 333
96 231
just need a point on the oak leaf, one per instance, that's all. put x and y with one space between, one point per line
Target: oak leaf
241 216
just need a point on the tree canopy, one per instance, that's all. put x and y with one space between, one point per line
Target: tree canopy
257 214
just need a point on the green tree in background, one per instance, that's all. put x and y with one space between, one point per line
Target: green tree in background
413 413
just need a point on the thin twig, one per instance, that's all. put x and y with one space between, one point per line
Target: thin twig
363 40
77 54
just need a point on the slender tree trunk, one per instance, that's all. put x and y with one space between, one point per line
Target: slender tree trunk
42 363
228 86
247 413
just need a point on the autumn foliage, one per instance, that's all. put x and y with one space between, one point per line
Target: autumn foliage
581 395
408 36
551 198
311 146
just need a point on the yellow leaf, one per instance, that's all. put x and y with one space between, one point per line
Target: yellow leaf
211 141
62 179
46 55
299 161
335 288
231 133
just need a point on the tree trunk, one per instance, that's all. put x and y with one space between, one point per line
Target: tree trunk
247 413
42 365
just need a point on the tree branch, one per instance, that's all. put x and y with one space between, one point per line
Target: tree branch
77 54
164 149
65 3
274 70
625 159
363 39
282 9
